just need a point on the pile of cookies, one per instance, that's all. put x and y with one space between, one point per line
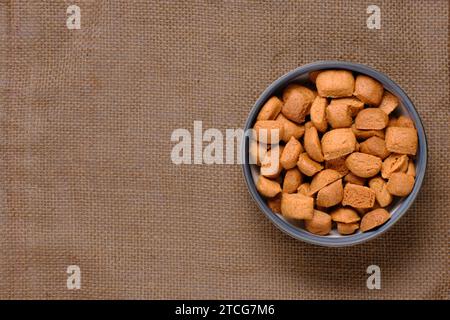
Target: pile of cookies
331 152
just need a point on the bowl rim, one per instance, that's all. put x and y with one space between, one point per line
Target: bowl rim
302 234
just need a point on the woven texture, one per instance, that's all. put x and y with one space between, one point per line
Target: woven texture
86 177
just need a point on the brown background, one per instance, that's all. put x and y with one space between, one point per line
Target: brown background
86 178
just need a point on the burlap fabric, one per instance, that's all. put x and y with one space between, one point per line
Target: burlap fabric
86 176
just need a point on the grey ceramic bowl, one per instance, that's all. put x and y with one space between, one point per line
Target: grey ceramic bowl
397 208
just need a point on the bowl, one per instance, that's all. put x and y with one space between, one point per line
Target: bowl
397 209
